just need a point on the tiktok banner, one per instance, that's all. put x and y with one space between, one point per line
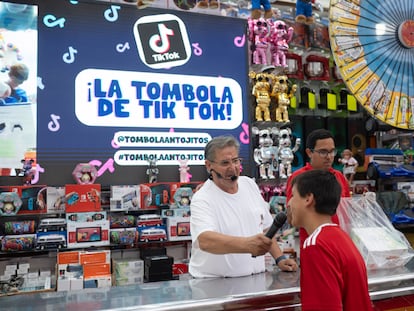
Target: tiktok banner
119 86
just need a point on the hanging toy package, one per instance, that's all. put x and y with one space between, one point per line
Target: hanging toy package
381 245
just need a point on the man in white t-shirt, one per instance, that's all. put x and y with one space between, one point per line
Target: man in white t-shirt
228 219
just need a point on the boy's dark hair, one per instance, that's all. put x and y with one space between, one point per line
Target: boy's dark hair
323 185
316 135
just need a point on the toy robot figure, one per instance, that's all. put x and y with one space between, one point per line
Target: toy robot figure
266 155
280 92
152 171
280 36
286 154
261 90
259 37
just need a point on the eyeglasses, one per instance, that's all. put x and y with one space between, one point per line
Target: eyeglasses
228 163
324 153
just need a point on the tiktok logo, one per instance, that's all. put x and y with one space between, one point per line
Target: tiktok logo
162 41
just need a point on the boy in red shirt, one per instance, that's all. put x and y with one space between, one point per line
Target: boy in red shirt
333 275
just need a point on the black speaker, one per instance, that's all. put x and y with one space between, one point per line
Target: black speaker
357 140
297 132
338 127
312 123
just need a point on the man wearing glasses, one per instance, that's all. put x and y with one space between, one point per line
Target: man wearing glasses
228 219
320 148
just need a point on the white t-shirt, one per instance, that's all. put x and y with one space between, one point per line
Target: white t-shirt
244 213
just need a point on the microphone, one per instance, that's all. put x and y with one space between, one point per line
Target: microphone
232 178
278 223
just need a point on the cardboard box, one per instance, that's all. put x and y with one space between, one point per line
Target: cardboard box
33 198
87 229
126 272
124 236
380 248
178 228
83 198
125 198
55 199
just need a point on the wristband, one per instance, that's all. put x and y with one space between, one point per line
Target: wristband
280 258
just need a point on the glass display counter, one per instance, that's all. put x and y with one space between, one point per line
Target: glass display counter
257 292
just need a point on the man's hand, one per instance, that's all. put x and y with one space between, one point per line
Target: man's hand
259 244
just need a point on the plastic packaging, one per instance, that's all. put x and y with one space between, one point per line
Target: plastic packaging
381 245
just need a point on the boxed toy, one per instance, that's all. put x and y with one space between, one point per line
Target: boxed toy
160 195
70 276
126 272
125 197
96 268
182 197
19 227
178 228
33 198
87 229
83 198
123 236
152 234
10 203
380 244
14 243
50 240
97 275
55 199
182 193
77 270
379 248
359 187
176 212
121 221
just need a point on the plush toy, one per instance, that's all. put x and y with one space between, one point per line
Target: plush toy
261 90
204 4
304 11
280 36
152 171
184 169
257 6
28 171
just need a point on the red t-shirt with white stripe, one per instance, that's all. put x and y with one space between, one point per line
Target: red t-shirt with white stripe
333 272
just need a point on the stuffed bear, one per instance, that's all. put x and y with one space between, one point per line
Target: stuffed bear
204 4
304 11
256 9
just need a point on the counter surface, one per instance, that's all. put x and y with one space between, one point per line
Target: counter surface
266 289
